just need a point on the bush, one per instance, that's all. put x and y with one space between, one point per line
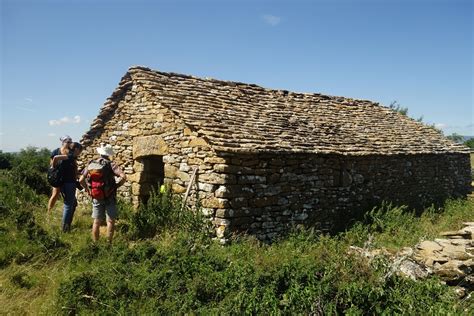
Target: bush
29 166
6 160
21 237
32 158
163 212
469 143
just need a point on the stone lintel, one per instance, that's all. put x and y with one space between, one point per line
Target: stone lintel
149 146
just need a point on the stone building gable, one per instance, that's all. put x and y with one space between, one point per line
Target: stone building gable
152 144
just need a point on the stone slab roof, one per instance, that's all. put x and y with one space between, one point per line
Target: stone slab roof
245 118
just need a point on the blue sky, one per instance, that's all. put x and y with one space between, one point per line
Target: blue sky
60 60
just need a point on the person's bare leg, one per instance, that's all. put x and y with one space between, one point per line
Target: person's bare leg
110 229
54 197
96 229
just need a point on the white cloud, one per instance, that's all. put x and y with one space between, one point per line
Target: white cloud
51 134
441 125
30 100
65 120
271 19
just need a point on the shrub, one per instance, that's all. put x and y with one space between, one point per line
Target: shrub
32 178
29 166
32 158
6 160
21 237
163 212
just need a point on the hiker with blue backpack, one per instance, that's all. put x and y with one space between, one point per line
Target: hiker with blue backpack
67 173
98 178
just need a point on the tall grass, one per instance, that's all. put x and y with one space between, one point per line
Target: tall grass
162 212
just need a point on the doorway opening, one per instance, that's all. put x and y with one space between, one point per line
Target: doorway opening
152 177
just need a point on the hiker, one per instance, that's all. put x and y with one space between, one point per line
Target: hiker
66 141
98 178
68 188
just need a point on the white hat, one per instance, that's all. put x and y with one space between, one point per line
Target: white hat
65 139
105 150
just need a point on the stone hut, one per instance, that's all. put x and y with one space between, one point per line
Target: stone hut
269 159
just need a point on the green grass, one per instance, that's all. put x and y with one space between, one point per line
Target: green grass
176 268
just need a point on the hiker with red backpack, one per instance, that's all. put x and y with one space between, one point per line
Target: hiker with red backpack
98 178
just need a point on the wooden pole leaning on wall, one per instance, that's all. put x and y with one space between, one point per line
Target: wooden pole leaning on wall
191 181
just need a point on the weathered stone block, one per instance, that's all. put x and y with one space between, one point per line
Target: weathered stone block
232 191
215 203
216 178
263 201
250 179
221 221
230 213
184 176
207 187
223 168
198 142
214 160
135 189
222 191
238 202
273 178
187 132
178 188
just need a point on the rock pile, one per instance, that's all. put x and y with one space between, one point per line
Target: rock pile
450 258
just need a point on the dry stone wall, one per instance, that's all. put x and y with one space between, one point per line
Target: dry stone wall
266 194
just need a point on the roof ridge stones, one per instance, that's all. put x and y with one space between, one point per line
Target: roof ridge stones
246 118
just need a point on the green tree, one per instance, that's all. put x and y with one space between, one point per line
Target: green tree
32 158
395 106
469 143
6 160
30 166
456 138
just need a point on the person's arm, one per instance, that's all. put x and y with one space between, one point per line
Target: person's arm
83 182
119 173
123 178
58 158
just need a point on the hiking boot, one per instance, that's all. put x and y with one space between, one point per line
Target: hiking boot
66 228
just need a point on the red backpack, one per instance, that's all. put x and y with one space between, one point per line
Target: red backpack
101 179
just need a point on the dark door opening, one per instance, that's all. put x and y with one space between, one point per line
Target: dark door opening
152 176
